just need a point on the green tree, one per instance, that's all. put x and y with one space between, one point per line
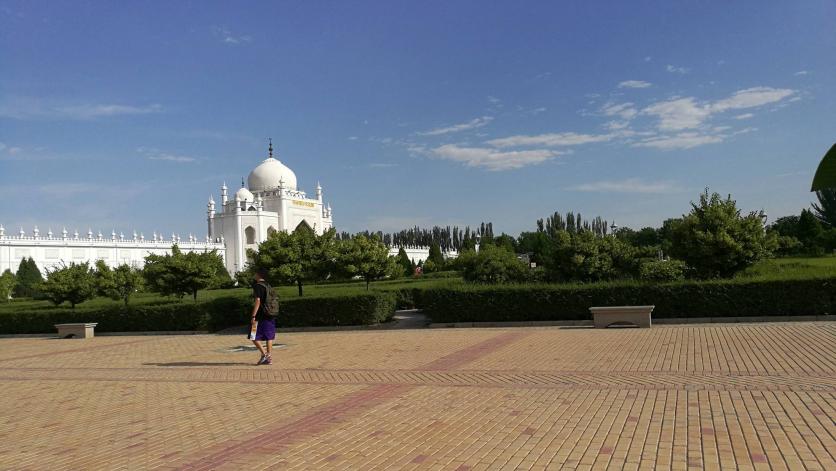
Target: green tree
810 232
715 240
178 274
826 209
536 244
506 242
28 279
436 257
583 256
75 284
104 278
297 257
7 285
491 264
405 263
367 257
125 281
786 226
647 237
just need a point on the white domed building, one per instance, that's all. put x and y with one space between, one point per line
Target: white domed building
269 202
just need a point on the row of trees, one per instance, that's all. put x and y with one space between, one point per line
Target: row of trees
713 240
447 238
302 257
175 274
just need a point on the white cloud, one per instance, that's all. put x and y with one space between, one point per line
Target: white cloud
14 150
352 138
623 110
493 159
686 113
28 108
172 158
751 97
630 185
683 140
677 114
634 84
494 100
677 70
151 153
227 37
550 140
744 116
801 72
472 124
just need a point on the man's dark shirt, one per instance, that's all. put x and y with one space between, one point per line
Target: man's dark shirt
260 292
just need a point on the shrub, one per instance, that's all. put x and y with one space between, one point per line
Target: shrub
739 297
585 256
716 241
492 264
662 270
233 309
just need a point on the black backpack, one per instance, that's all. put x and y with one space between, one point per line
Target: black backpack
271 301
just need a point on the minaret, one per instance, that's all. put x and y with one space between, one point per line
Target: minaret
224 196
210 210
319 192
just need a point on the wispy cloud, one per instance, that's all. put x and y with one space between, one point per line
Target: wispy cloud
227 37
382 165
549 140
156 154
36 109
801 72
634 84
744 116
472 124
493 159
751 98
630 185
681 113
683 140
677 70
687 113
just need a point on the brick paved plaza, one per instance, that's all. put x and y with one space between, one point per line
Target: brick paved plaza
757 396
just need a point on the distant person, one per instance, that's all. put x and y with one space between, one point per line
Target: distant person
263 323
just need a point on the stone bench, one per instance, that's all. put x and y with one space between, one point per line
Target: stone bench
81 330
604 317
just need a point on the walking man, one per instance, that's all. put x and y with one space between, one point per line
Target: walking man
265 309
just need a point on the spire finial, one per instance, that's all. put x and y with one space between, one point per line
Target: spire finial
242 182
270 147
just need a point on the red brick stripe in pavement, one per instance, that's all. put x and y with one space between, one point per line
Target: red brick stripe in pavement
274 439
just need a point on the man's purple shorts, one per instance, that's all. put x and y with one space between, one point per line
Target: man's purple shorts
266 329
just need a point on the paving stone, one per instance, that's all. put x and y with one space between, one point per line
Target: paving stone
741 396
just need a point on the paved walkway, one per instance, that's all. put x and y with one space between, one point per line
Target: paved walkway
732 396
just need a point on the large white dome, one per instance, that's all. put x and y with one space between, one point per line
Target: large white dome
268 174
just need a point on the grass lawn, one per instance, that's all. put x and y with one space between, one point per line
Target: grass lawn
795 267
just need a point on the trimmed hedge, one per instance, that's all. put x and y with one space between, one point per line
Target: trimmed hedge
214 314
728 298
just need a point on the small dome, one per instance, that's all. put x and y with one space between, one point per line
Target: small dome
268 174
243 195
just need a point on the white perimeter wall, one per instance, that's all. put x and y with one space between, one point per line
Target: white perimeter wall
51 253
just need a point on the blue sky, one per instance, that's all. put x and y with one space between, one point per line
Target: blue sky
127 115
